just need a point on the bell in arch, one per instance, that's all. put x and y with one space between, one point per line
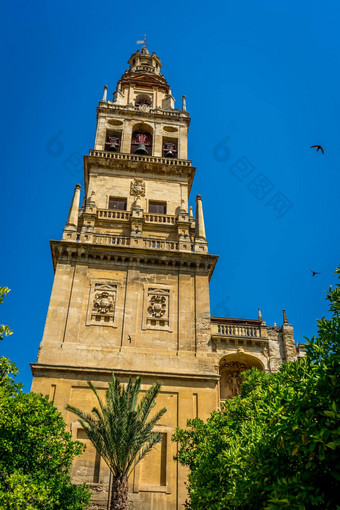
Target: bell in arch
112 147
141 149
169 154
169 150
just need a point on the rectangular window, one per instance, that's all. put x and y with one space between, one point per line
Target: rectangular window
117 203
157 207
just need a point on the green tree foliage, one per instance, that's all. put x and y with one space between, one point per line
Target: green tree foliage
4 330
120 431
36 452
277 444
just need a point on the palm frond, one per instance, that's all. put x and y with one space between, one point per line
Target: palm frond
118 428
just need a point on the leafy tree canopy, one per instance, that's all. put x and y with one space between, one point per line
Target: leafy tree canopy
36 452
4 330
277 444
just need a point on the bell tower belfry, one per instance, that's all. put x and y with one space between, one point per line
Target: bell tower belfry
131 287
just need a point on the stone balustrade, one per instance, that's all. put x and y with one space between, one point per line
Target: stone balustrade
140 242
140 157
238 333
130 107
237 330
160 218
112 214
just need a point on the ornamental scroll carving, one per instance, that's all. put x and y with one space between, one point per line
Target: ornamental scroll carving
102 303
137 188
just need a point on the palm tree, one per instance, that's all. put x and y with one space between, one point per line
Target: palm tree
120 432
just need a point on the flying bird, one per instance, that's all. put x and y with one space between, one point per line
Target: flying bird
318 148
314 272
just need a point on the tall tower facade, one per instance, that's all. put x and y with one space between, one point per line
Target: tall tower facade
131 287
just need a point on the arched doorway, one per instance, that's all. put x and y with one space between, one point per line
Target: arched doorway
230 367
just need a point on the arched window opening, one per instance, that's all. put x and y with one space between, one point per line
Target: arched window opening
170 147
143 99
141 143
113 141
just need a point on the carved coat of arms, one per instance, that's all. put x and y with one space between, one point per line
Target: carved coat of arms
137 188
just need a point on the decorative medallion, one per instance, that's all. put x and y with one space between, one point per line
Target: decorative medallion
103 302
157 306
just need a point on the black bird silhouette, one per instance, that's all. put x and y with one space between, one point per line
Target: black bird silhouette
318 148
314 272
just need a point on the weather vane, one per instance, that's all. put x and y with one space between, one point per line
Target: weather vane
143 41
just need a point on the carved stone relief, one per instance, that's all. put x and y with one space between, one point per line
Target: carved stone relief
102 303
137 188
231 378
157 307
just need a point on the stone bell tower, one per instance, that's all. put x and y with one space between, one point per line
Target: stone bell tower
131 287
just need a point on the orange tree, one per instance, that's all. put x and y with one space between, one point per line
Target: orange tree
277 444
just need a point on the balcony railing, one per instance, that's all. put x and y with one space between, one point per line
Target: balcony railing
238 333
112 214
138 157
140 242
157 111
237 330
160 218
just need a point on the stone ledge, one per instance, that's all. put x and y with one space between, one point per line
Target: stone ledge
39 367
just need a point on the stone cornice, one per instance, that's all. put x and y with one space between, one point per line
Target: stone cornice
40 368
154 113
88 253
162 167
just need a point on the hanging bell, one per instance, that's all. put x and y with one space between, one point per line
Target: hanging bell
112 147
141 149
169 154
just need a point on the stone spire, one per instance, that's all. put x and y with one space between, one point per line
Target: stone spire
285 320
72 220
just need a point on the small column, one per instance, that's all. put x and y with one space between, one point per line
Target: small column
72 220
201 244
105 94
184 104
191 216
199 227
259 314
285 320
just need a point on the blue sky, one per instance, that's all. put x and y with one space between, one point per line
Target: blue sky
262 85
